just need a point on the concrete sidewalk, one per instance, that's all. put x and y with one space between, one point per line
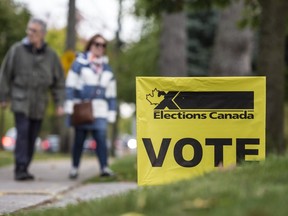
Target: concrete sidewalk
52 187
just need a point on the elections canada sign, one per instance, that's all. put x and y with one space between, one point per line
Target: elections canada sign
189 126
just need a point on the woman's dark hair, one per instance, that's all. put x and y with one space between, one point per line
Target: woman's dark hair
92 39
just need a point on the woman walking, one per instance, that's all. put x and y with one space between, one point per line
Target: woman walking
91 79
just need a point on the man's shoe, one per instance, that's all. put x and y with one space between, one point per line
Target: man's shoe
23 176
107 172
29 176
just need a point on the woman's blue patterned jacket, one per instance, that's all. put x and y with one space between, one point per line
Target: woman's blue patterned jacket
84 83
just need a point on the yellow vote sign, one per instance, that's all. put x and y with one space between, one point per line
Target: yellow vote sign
189 126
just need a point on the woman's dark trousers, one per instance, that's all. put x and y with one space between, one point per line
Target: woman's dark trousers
99 135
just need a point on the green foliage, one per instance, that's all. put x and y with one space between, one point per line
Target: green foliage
124 125
13 21
206 4
138 59
156 7
201 27
6 158
56 40
251 14
8 118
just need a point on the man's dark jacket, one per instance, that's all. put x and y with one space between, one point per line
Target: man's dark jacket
27 75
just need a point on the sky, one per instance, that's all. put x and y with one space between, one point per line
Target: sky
99 16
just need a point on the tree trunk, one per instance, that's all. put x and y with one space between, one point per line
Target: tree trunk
71 23
66 134
2 126
173 41
272 65
232 54
117 53
119 24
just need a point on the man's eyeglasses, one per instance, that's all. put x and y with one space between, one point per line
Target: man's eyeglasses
31 30
99 44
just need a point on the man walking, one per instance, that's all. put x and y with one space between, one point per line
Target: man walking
29 70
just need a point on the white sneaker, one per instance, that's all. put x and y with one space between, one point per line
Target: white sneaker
106 172
73 173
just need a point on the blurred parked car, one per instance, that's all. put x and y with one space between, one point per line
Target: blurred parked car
126 144
9 140
89 145
50 144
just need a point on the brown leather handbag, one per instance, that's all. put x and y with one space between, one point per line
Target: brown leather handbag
82 113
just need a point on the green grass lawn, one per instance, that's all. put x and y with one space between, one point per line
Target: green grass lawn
7 157
125 169
252 189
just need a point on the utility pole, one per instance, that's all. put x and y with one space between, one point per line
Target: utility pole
2 124
71 23
117 48
66 134
119 23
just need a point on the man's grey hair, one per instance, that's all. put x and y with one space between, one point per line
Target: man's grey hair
41 22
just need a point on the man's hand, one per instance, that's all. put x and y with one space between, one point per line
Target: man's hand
60 111
3 104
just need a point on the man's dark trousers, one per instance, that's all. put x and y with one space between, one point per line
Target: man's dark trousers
27 132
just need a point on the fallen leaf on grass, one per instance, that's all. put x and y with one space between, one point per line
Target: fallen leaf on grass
198 203
132 214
